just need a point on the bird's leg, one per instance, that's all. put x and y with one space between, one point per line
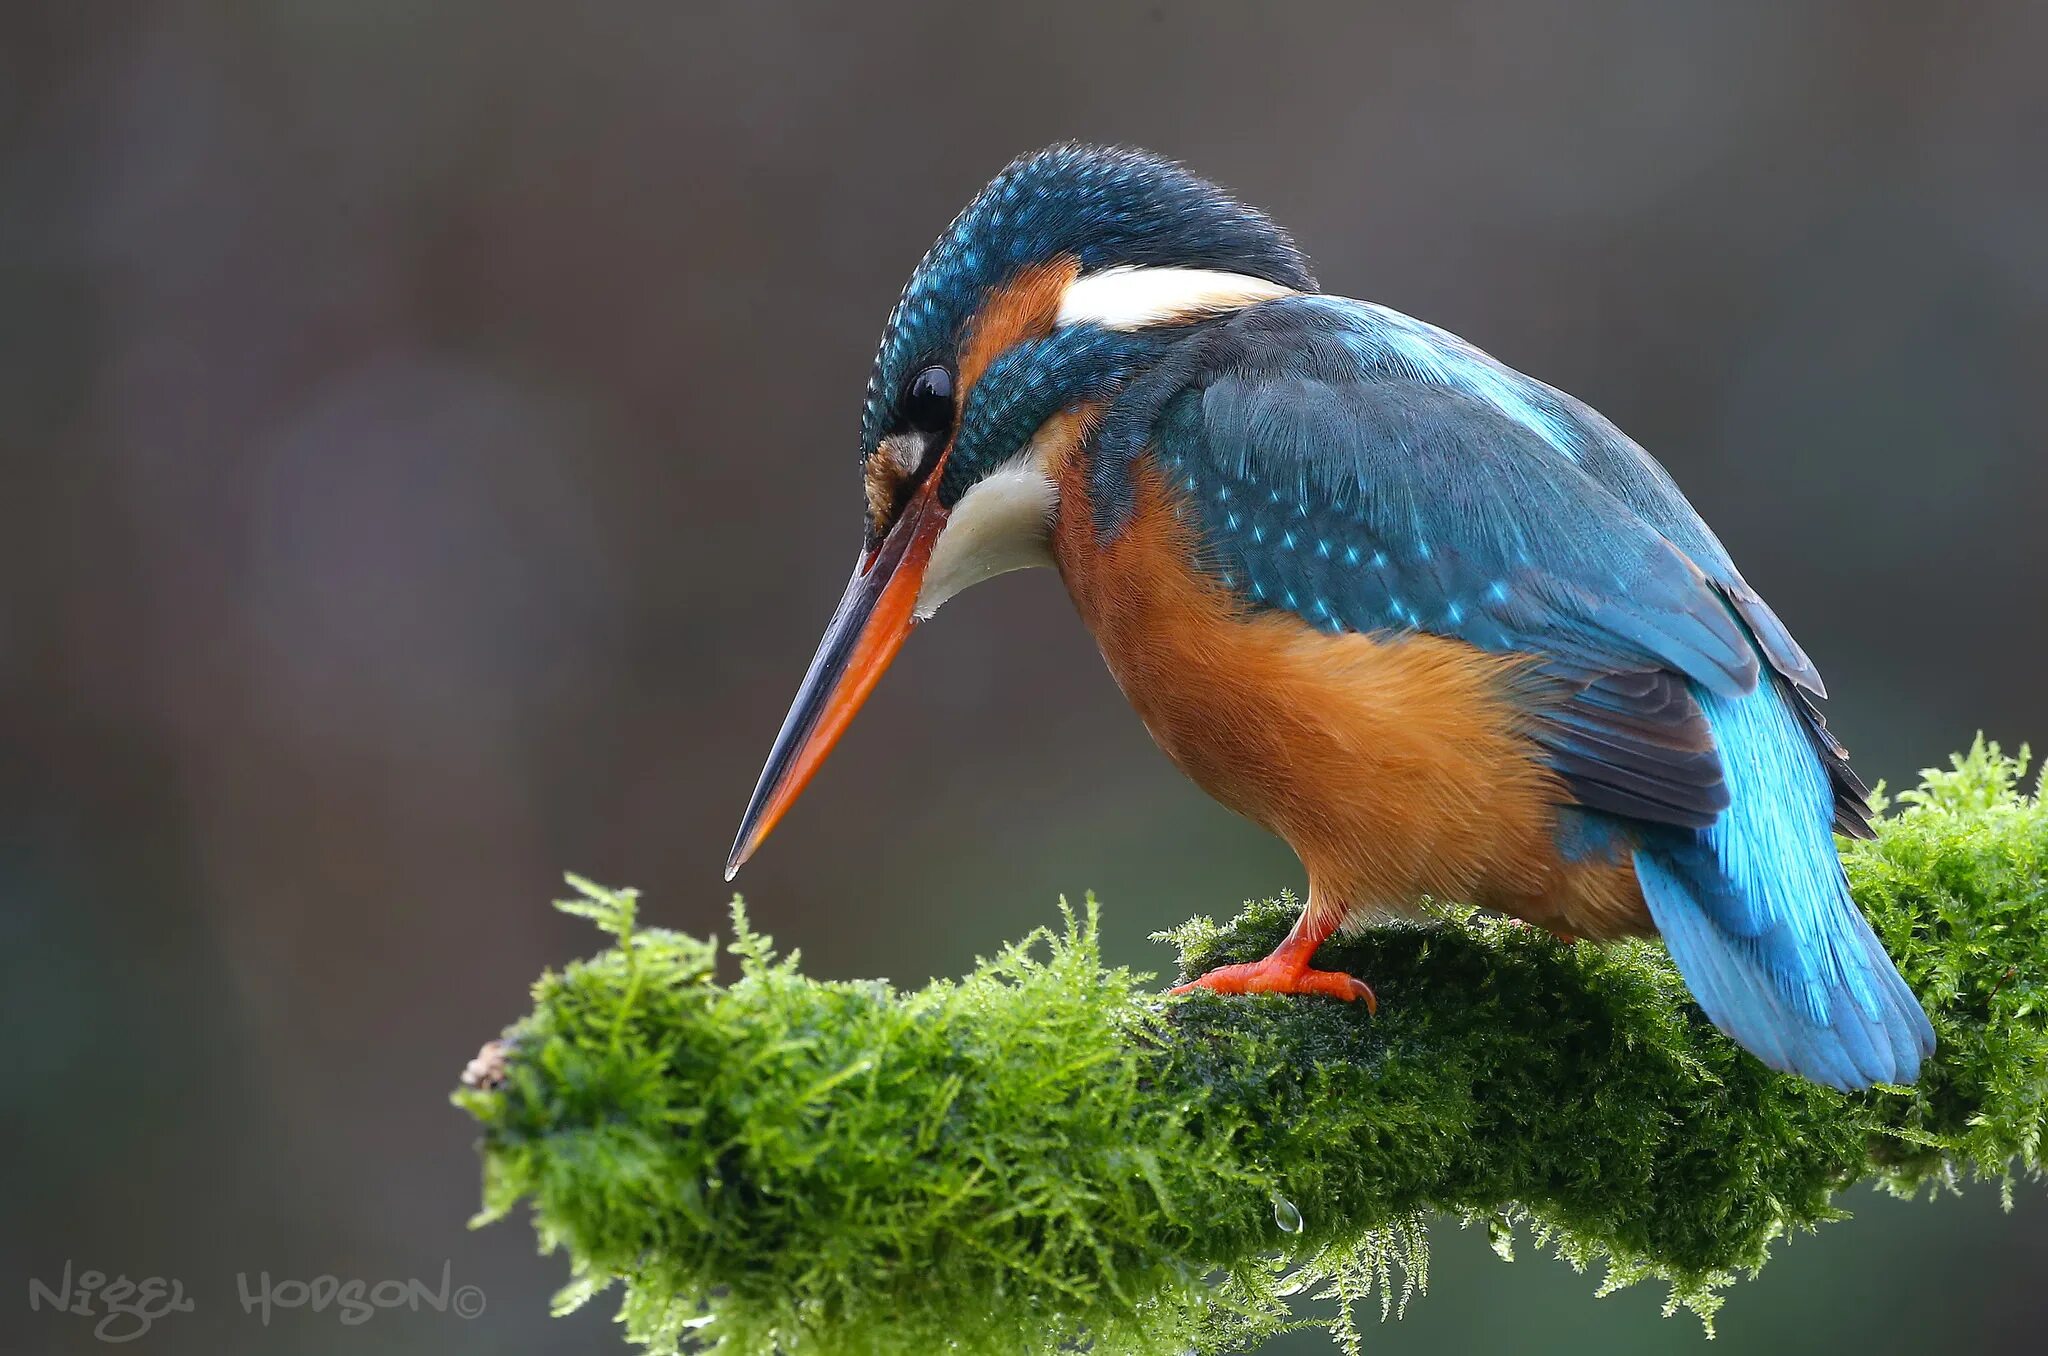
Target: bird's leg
1287 970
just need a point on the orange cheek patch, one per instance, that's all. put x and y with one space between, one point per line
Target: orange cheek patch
1058 440
883 478
1022 309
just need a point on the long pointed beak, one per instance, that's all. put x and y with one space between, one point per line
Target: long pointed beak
862 639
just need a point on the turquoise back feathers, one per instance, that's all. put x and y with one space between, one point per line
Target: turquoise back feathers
1366 472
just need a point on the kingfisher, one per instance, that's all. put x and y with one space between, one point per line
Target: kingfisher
1441 627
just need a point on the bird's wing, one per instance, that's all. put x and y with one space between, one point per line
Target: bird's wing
1628 472
1340 470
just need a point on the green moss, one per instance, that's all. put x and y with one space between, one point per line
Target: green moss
1046 1153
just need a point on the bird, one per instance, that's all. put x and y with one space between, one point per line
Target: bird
1444 629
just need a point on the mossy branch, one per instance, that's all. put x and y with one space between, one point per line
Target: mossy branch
1046 1153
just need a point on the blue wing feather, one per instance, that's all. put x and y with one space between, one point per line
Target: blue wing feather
1459 531
1531 521
1633 476
1332 482
1369 473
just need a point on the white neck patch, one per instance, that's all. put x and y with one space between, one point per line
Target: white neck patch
1002 523
1135 298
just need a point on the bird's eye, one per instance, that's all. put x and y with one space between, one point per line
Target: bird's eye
927 404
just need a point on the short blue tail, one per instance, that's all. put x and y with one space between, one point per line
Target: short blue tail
1757 915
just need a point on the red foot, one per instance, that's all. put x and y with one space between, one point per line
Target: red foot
1275 974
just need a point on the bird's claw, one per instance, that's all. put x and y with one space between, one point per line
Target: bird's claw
1266 976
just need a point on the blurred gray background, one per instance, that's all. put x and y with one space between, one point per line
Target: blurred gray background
428 434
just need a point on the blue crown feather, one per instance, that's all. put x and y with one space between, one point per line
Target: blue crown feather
1105 206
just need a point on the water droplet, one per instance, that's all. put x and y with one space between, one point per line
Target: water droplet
1286 1215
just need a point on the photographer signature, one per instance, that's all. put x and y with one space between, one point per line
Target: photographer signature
126 1309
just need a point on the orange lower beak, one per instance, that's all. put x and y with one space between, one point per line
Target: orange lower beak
862 639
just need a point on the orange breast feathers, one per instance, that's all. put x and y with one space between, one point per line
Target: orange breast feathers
1393 766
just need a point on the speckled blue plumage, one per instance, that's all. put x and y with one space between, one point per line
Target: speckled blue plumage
1106 207
1031 382
1366 472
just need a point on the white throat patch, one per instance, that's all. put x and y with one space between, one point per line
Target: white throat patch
1135 298
1002 523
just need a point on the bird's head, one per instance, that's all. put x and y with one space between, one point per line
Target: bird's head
1072 272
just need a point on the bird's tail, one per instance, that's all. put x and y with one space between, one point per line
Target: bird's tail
1757 915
